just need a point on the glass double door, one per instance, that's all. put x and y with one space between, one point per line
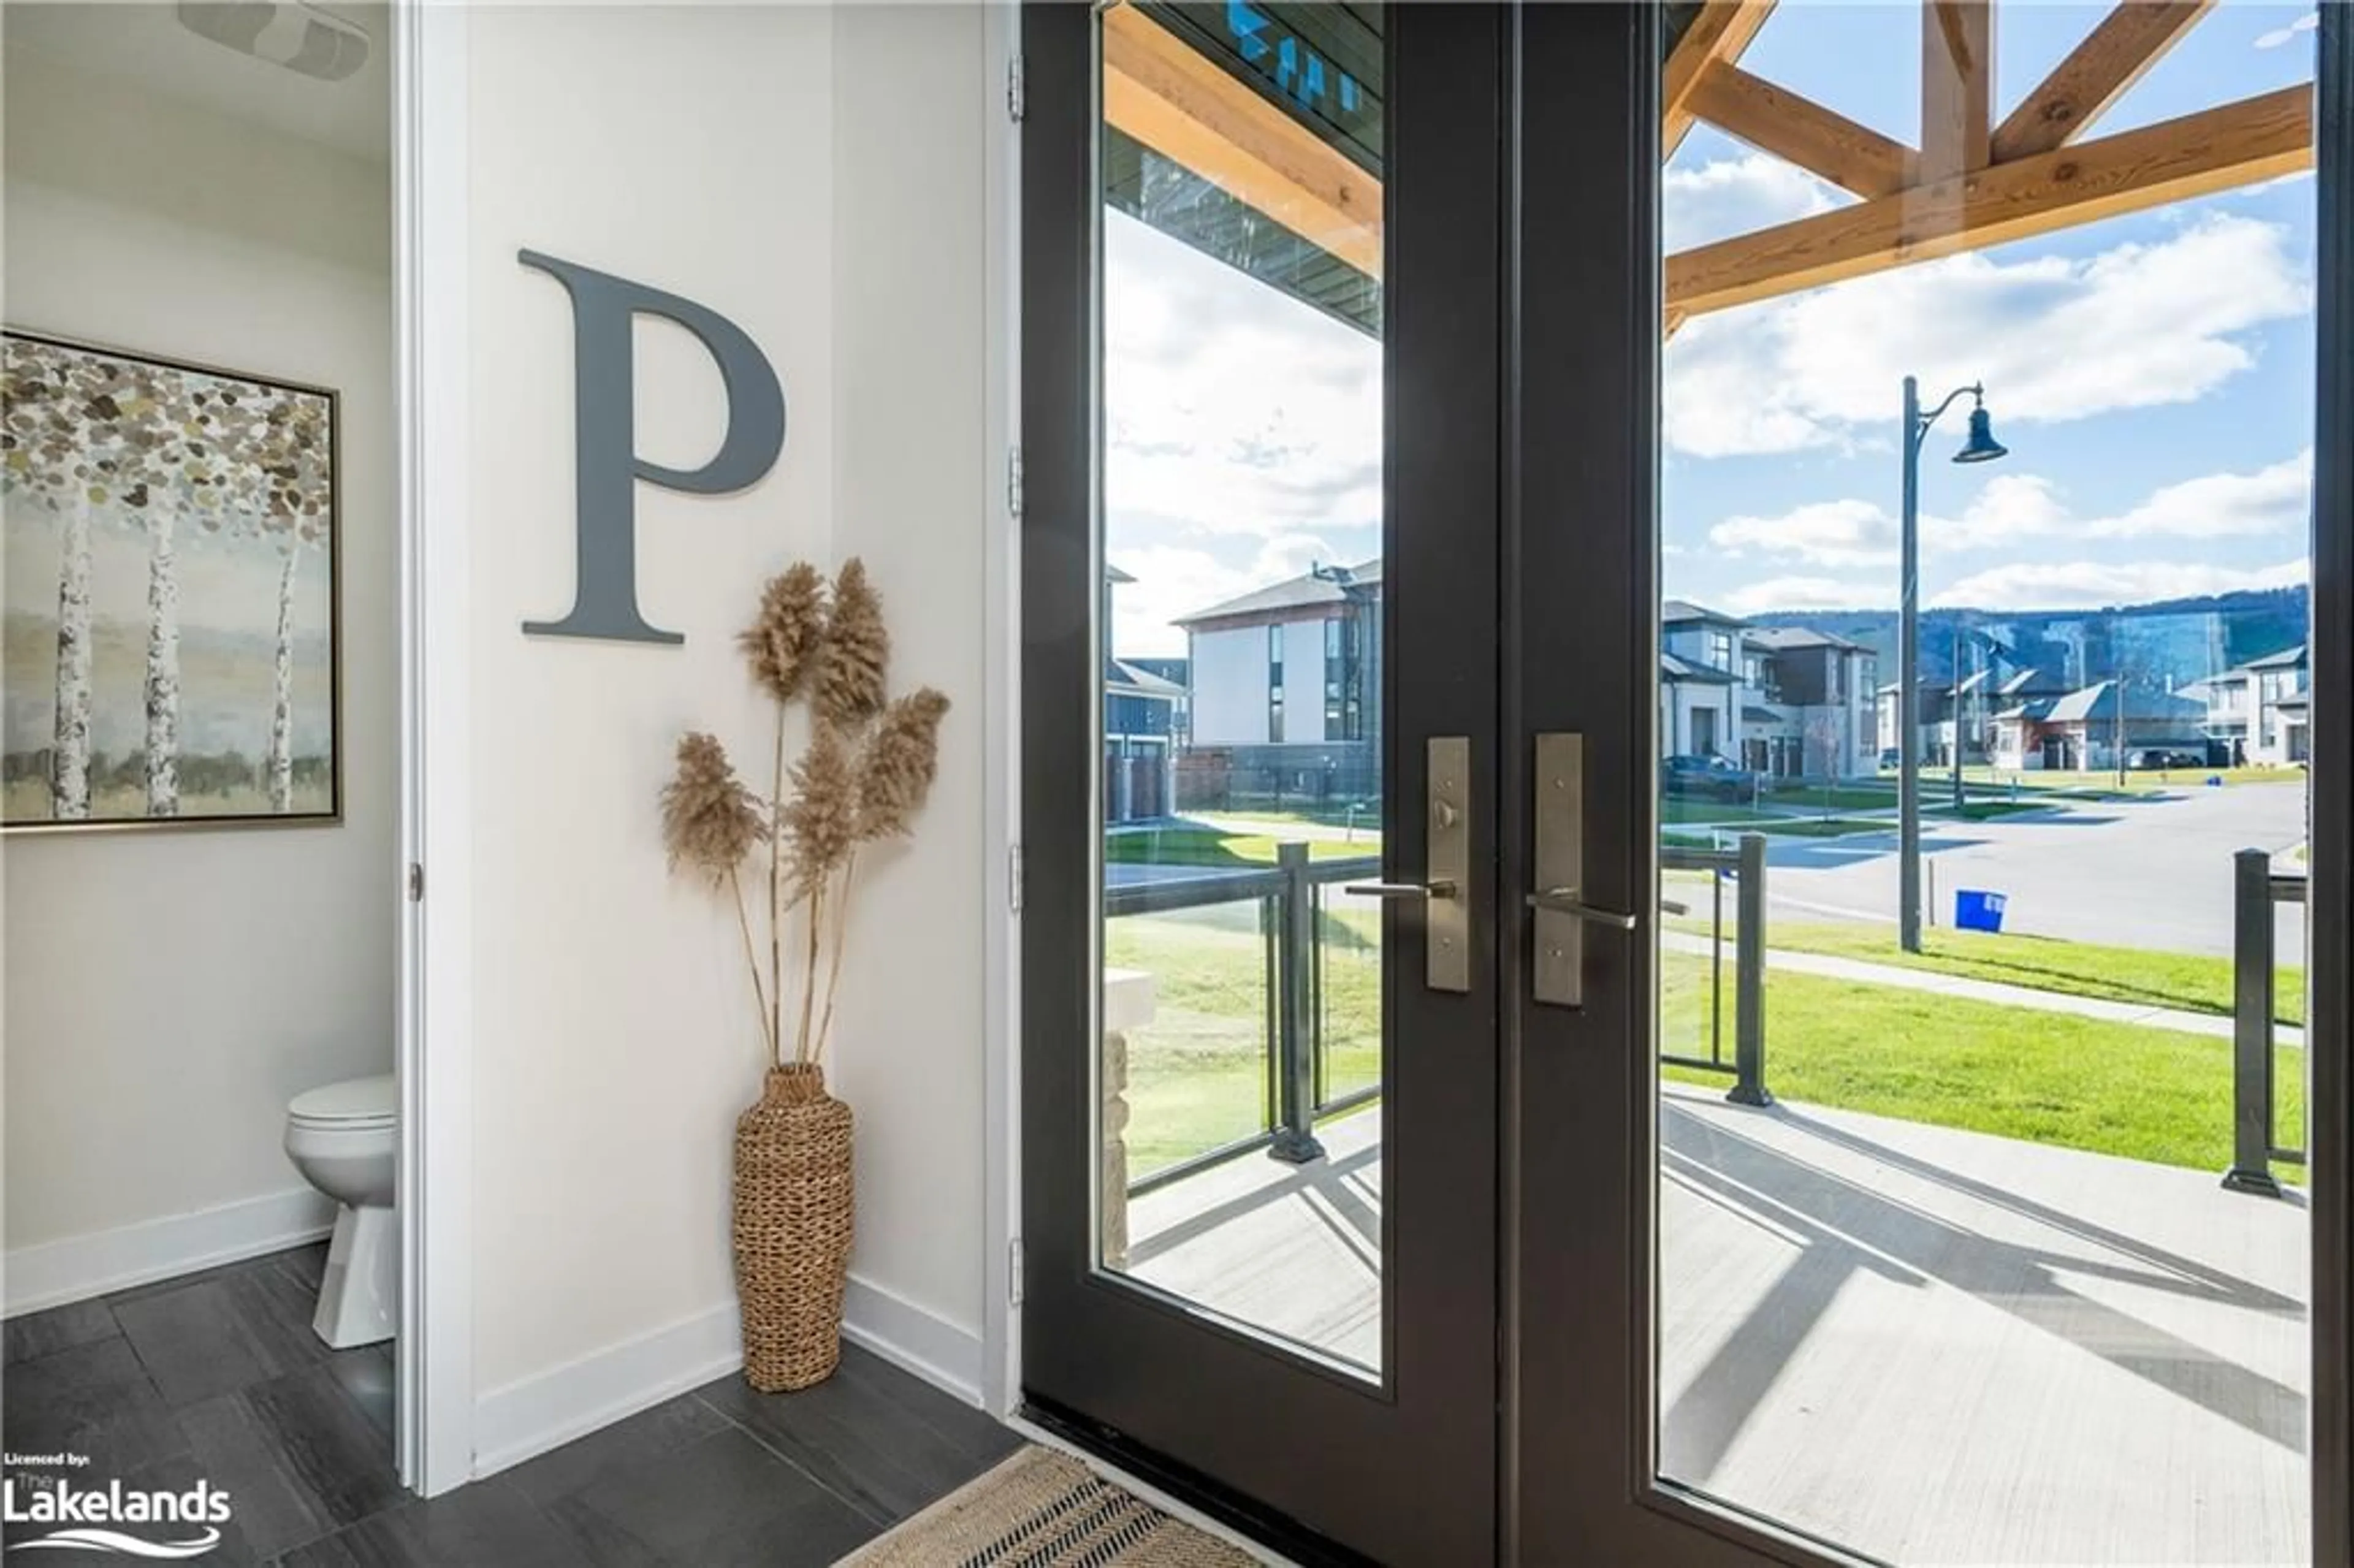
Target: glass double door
1586 999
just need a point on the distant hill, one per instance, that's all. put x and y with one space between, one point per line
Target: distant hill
2169 643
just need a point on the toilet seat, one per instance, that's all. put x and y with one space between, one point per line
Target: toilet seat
356 1104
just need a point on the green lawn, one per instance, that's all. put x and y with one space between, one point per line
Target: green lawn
2081 1083
1850 797
1685 808
2185 982
1209 846
1197 1073
2135 780
1824 827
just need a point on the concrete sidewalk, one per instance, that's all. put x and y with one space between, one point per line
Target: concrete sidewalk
1861 973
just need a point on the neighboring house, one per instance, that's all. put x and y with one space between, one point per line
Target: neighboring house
1700 680
1284 685
1968 715
2260 710
1144 710
2088 728
1807 703
1699 709
1787 701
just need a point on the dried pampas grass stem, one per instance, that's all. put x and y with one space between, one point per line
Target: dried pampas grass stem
868 767
857 652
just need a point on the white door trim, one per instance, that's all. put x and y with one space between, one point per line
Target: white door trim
435 1347
1001 686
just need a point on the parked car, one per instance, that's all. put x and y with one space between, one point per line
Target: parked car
1710 777
2147 758
1891 759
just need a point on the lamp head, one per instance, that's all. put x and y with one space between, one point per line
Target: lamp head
1982 447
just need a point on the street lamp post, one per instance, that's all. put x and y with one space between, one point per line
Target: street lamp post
1982 447
1953 758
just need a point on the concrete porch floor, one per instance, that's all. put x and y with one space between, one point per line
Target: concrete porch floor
1928 1345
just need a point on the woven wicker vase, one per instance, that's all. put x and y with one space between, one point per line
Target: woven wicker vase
792 1229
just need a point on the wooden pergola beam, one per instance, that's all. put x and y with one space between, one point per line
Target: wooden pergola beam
2197 154
1797 130
1956 87
2129 41
1181 104
1719 33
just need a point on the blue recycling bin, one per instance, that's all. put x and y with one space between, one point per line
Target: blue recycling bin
1977 911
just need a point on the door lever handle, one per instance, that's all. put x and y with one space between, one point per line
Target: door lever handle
1565 901
1436 888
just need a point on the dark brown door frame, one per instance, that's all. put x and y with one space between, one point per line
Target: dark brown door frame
1575 1469
2329 1042
1405 1471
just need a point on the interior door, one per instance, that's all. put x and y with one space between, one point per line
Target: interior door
1846 1220
1261 382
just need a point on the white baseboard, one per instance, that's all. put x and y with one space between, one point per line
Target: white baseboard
78 1267
523 1419
527 1418
912 1338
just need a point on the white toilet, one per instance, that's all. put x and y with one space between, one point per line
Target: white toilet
345 1138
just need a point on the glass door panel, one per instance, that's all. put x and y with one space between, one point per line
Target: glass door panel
1982 670
1260 378
1241 549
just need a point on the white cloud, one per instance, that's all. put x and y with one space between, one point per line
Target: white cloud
1806 593
2054 338
1231 409
1855 533
2221 505
2098 584
2008 507
1172 580
1832 532
2279 36
1738 195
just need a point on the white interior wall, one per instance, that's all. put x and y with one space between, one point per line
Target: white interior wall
817 176
167 991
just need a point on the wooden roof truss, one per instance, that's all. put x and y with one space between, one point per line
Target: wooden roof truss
1975 181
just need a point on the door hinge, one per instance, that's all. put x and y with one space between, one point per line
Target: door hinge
1014 89
1013 1272
416 883
1013 879
1013 483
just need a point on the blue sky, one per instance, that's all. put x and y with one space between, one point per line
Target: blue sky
2152 376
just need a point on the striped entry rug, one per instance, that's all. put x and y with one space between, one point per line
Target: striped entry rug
1044 1510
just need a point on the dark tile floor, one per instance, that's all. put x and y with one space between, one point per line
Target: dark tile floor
217 1376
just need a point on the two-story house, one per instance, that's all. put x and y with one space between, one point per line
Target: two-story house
1807 703
1700 680
1285 685
2260 709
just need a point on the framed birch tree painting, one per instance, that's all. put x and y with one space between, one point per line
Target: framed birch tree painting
170 641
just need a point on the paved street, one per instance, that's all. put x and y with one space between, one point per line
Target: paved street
2150 872
2141 872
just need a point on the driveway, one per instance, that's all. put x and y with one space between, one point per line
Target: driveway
2152 872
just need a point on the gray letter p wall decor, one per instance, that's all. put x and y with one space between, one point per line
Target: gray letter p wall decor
605 457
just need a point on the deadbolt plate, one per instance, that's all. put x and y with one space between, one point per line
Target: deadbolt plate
1446 936
1557 969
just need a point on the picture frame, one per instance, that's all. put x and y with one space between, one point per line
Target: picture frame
171 639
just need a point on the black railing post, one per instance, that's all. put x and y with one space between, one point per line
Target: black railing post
1749 986
1295 1036
2252 1025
